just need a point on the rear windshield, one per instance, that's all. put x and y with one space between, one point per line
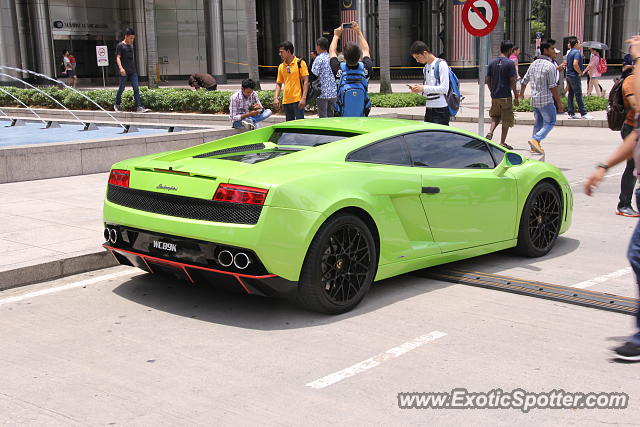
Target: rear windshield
307 137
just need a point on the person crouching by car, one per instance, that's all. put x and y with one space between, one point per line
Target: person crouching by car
203 80
245 109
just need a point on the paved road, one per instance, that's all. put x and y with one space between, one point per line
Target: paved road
133 349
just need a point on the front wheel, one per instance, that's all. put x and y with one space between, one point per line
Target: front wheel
340 266
540 221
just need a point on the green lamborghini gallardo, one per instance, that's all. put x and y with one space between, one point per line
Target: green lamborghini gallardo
318 209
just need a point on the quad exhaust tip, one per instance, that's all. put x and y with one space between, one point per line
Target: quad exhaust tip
240 260
111 235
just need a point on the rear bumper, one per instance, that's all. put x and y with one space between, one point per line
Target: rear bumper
194 261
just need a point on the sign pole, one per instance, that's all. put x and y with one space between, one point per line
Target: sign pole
103 82
482 74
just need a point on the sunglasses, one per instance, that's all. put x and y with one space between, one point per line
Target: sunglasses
288 69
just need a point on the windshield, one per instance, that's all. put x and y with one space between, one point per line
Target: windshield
307 137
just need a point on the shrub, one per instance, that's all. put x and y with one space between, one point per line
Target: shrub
169 99
593 103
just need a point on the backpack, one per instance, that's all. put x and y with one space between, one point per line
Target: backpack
453 96
353 92
314 83
602 66
615 108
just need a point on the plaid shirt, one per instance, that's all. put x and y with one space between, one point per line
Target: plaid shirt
240 104
542 75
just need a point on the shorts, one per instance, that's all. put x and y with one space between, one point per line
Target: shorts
71 73
502 111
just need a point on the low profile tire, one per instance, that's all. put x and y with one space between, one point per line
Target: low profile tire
540 221
339 267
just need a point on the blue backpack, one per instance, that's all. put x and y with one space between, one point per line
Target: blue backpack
453 96
353 92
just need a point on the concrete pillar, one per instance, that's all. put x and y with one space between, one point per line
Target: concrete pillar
150 38
287 25
559 22
497 35
41 32
9 40
140 43
215 39
631 19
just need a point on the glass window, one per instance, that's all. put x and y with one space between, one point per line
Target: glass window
498 153
390 151
307 137
448 150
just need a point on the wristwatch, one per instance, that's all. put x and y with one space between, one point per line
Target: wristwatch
603 166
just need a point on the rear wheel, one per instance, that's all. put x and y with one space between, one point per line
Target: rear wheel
540 221
340 266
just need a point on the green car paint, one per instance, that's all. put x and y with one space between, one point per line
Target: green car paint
477 211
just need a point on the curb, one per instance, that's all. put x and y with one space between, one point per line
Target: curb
57 269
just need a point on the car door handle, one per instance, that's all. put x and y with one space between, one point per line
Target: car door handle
430 190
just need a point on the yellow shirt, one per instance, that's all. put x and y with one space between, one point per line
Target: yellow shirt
292 80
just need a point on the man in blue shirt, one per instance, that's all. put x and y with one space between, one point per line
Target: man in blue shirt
501 79
321 67
575 65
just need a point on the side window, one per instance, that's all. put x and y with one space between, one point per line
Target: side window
390 151
498 154
451 150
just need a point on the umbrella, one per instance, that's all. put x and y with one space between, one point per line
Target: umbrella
595 45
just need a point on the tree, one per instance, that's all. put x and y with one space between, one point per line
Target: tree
252 40
383 43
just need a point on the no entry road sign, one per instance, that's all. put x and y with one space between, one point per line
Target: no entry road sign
102 56
480 16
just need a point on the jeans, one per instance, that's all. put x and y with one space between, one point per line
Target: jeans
437 115
255 120
575 89
633 255
326 107
133 77
628 180
545 121
292 112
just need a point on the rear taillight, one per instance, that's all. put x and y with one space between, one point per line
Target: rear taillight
240 194
119 177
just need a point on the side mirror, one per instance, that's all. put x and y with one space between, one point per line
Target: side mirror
509 160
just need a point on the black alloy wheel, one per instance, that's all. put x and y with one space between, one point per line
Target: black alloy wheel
339 267
540 221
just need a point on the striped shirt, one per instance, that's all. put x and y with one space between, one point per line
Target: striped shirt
240 104
542 75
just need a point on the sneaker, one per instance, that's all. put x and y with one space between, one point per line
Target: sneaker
507 146
572 117
116 108
248 124
489 136
535 146
587 116
628 351
627 211
142 110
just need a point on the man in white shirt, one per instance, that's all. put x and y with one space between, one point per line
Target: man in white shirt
435 84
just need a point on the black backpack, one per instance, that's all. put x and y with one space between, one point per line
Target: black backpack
616 112
314 83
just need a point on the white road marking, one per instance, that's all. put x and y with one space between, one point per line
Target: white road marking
601 279
606 176
376 360
79 284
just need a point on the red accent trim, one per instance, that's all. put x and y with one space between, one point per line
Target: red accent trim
243 285
147 264
183 265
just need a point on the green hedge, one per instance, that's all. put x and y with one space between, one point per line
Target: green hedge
182 100
593 103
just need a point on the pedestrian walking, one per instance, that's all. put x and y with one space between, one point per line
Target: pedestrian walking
593 72
321 67
294 74
514 57
245 109
627 65
501 80
575 66
630 149
352 76
435 83
203 80
69 65
126 62
544 89
628 180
